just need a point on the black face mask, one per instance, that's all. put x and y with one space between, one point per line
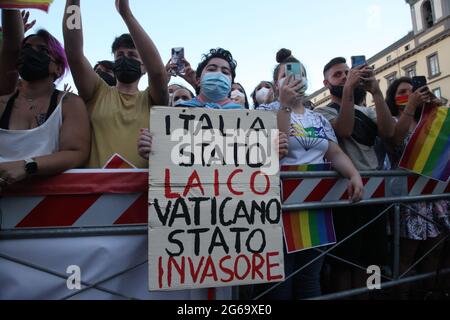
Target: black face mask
33 65
337 91
359 93
109 79
127 70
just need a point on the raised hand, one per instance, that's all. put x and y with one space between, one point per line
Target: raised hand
27 26
123 7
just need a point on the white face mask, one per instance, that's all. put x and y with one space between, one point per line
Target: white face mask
237 94
261 95
238 97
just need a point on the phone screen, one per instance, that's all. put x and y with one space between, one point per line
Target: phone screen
295 70
358 61
419 82
177 58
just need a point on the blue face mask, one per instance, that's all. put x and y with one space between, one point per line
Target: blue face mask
215 86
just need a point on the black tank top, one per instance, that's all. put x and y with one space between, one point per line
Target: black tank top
6 117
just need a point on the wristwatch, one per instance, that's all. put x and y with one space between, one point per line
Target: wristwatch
31 166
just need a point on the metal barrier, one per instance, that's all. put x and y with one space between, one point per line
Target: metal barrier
400 188
117 207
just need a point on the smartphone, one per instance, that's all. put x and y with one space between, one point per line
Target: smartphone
419 82
295 70
358 61
177 58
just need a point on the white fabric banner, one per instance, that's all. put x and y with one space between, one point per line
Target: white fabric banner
98 259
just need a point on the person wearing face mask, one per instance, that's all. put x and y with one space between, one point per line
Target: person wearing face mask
118 114
105 69
180 96
357 129
239 96
215 75
422 224
263 94
311 141
171 89
43 131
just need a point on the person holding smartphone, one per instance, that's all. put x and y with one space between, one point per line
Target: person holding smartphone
422 224
358 129
311 141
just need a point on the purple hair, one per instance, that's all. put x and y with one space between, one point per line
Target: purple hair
55 48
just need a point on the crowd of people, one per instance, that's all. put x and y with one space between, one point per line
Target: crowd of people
44 131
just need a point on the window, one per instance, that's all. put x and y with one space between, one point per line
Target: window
437 93
407 47
388 58
411 72
428 14
373 67
410 69
433 65
390 80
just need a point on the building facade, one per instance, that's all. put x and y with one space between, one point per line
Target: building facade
425 51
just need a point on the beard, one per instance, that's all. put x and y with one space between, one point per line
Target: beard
359 93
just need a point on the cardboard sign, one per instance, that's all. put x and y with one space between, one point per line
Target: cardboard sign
214 199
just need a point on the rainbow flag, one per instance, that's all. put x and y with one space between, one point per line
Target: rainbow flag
26 4
428 150
402 101
308 228
118 162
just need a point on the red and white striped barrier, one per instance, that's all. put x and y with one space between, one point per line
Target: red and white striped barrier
297 191
105 198
419 186
78 198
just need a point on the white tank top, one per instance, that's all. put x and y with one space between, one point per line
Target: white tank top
16 145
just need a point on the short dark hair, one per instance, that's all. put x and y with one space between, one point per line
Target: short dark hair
123 41
106 64
391 92
332 63
221 54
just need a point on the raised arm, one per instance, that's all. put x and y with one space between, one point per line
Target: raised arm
385 121
157 75
84 76
288 100
344 124
12 41
403 125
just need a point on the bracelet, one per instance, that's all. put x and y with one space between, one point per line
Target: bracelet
287 109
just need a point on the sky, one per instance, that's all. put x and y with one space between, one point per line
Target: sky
252 30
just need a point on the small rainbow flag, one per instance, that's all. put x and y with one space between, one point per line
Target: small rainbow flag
26 4
118 162
428 150
402 101
308 228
